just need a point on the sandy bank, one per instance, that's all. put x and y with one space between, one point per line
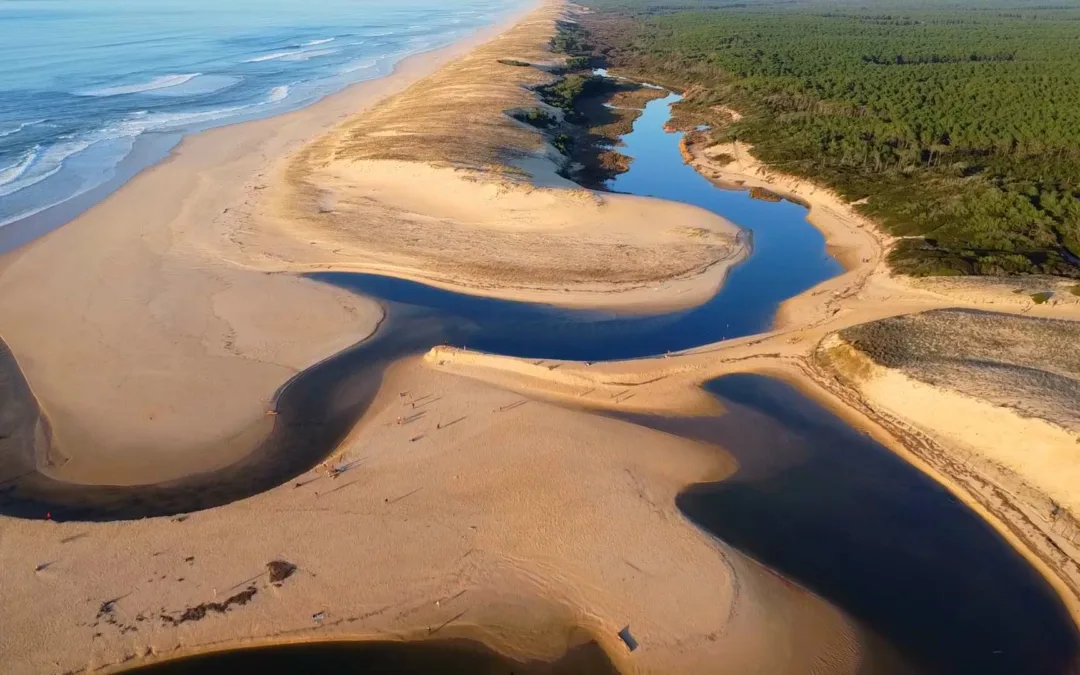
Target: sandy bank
148 341
165 317
1031 517
484 516
441 184
995 398
980 447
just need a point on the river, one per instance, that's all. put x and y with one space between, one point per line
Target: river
813 499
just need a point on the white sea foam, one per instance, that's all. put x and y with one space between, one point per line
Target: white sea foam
278 94
309 54
13 171
296 54
199 86
358 65
11 132
162 82
140 123
312 43
270 57
48 162
43 165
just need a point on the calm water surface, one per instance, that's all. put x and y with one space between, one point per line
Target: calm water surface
788 258
844 516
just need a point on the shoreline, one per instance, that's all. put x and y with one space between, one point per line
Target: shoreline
155 149
192 309
820 311
865 266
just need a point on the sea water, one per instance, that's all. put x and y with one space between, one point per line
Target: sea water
83 81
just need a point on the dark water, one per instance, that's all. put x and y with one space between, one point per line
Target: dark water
831 509
448 657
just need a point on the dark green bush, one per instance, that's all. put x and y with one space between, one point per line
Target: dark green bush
537 118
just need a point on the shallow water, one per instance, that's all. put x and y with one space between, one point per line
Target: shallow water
789 254
83 82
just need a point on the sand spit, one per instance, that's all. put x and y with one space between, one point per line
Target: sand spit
157 326
484 516
441 184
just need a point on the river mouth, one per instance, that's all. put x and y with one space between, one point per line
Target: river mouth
435 657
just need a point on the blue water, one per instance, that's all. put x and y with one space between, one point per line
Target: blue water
788 257
789 254
83 81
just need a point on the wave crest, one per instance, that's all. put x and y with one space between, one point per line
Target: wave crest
161 82
13 171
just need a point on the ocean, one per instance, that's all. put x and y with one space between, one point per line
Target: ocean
84 83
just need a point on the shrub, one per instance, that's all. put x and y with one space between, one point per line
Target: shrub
537 118
564 92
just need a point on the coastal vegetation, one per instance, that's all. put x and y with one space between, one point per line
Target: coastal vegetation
961 350
564 92
538 118
596 110
955 127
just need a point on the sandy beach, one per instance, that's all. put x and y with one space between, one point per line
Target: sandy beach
138 333
154 330
176 280
478 496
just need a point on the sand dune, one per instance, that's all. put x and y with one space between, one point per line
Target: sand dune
441 184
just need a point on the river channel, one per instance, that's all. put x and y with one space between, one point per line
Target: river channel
813 499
